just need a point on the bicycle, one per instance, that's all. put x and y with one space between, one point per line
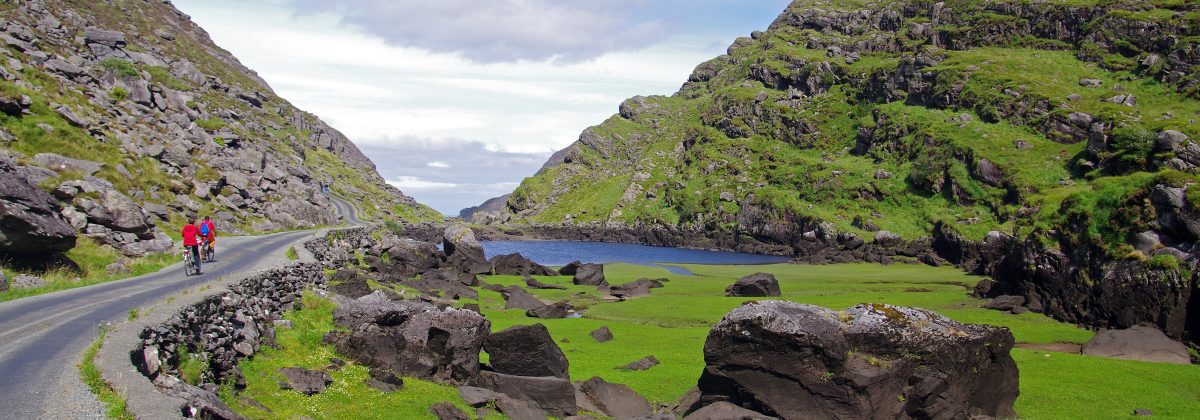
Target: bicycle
190 265
208 251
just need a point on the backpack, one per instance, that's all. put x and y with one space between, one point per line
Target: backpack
204 229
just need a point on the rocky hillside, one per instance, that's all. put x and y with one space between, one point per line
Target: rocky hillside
117 118
1047 143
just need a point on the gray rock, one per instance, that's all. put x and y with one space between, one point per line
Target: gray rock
30 219
887 239
517 298
788 359
526 350
463 250
307 382
1172 197
557 310
447 411
754 285
602 334
1005 302
384 380
585 274
549 393
641 364
60 163
3 282
1146 242
111 39
1144 343
15 105
1170 140
614 400
727 196
1091 83
476 396
882 174
722 410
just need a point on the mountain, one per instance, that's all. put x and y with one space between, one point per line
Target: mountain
487 211
1049 144
118 118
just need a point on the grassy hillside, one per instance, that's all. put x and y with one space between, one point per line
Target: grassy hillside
896 120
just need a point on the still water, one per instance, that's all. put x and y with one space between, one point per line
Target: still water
557 253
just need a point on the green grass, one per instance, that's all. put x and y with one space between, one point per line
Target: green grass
113 401
93 260
347 397
291 253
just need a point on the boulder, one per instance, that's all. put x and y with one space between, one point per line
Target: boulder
1005 302
31 221
534 283
570 269
641 364
552 394
384 380
754 285
722 410
477 397
517 298
635 289
797 361
463 251
613 400
414 338
557 310
1144 343
517 265
307 382
526 350
60 163
515 409
348 282
3 282
412 257
602 334
589 275
447 411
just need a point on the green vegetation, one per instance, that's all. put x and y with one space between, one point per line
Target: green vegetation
113 401
93 260
673 323
347 397
119 66
118 93
291 253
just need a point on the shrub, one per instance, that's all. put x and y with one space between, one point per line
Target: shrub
118 93
121 67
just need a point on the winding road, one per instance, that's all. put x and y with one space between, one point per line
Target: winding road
43 337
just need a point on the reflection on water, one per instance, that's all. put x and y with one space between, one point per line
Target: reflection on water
559 253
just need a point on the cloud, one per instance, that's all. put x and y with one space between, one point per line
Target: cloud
449 173
490 31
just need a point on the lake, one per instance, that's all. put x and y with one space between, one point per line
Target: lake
558 253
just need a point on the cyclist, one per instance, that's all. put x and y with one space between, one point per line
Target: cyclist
190 233
209 232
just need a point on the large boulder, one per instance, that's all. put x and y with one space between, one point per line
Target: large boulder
635 289
411 257
517 298
31 221
1141 342
797 361
517 265
304 381
725 411
552 394
585 274
614 400
754 285
414 339
526 350
463 251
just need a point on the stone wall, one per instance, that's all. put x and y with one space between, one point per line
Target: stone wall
227 327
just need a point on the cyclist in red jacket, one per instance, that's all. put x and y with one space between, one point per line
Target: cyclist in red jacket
190 233
209 232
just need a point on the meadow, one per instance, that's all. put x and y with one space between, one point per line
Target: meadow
673 323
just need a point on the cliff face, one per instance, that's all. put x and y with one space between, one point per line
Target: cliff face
132 117
1050 144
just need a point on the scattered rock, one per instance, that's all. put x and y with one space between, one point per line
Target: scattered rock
1005 302
516 409
1124 99
635 289
526 350
517 265
982 288
641 364
31 221
557 310
587 274
614 400
754 285
1141 342
792 360
727 196
3 282
549 393
307 382
60 163
517 298
602 334
25 281
447 411
384 380
536 284
477 397
1143 412
464 251
116 268
722 410
1091 83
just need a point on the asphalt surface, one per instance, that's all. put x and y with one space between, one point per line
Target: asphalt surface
42 338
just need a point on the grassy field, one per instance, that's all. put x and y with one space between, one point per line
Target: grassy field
93 260
673 323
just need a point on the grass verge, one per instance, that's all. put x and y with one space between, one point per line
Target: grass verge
93 260
113 401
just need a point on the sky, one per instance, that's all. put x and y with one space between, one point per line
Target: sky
457 101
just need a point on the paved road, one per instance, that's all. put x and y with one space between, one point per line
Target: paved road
43 337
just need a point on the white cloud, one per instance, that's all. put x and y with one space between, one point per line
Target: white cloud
500 30
414 183
438 164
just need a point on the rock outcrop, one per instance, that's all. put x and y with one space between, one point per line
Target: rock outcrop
754 285
1142 343
797 361
526 350
31 220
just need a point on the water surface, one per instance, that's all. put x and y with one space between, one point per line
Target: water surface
557 253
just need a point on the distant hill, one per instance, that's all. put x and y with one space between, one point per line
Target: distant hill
491 207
